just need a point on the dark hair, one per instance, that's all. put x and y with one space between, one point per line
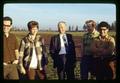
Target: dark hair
31 24
7 19
103 24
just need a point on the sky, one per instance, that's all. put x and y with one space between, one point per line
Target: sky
49 14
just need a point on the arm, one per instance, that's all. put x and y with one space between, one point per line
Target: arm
51 48
73 49
21 54
17 57
82 47
111 47
44 51
16 51
95 48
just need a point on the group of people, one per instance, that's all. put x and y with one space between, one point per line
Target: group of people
31 57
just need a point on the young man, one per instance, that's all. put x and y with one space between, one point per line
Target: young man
103 48
10 51
62 51
33 54
86 64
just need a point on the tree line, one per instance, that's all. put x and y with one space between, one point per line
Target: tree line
71 28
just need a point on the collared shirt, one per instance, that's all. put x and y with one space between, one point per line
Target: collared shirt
63 49
87 41
107 43
33 63
10 45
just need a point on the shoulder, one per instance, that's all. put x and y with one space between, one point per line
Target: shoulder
68 34
55 36
96 38
12 35
39 37
25 39
96 34
110 38
85 35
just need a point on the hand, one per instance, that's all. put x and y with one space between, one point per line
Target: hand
5 64
22 70
15 62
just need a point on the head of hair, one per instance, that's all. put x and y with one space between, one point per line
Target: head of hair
103 24
32 24
7 18
91 21
61 22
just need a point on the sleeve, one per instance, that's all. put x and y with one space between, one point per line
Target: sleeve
52 47
44 52
21 51
112 43
16 46
73 49
16 43
22 46
111 48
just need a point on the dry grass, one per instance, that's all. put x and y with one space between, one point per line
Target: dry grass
51 73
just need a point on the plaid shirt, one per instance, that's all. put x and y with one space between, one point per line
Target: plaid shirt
26 47
87 41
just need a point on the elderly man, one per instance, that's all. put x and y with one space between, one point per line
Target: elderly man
62 51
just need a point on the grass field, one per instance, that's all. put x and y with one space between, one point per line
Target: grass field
21 34
51 73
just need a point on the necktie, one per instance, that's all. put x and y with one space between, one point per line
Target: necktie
65 41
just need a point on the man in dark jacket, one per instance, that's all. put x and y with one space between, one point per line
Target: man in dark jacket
62 51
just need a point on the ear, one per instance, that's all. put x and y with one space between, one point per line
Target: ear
107 30
10 26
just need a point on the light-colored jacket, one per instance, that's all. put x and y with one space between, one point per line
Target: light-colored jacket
26 48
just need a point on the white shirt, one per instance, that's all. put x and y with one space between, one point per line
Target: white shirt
62 50
33 63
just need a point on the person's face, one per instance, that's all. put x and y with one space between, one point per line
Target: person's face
90 27
62 28
6 26
34 30
103 31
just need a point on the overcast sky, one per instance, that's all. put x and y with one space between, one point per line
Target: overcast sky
49 14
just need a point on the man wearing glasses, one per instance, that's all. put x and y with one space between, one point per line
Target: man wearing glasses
10 55
103 48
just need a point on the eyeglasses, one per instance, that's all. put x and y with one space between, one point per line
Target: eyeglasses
6 25
103 29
